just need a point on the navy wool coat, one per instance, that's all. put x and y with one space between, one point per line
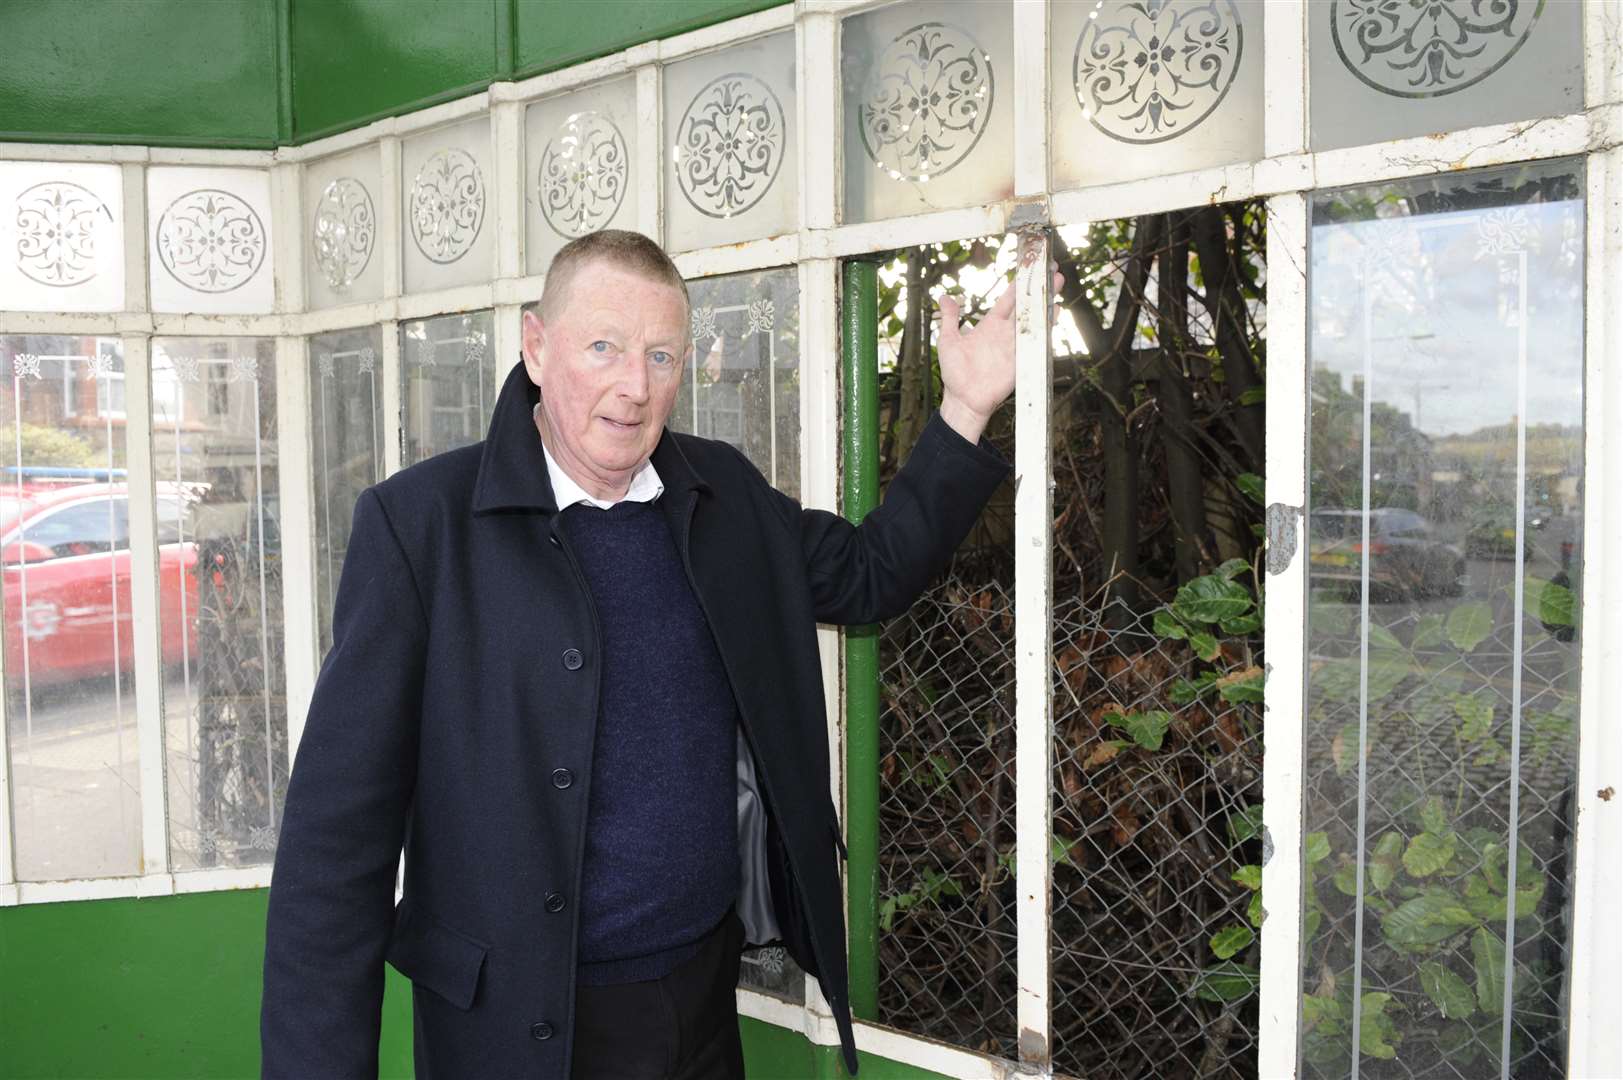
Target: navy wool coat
455 717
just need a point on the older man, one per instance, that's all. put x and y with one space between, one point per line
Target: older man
574 672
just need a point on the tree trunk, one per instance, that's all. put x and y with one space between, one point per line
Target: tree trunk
1227 307
913 373
1192 547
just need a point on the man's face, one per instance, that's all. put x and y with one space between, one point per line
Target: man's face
609 365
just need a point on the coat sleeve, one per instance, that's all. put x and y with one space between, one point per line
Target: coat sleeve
873 571
332 890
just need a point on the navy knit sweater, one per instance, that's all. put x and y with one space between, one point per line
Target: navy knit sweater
661 863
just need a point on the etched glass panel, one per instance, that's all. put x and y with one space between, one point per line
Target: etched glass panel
210 237
580 167
1147 89
341 229
1443 534
346 454
61 236
927 107
742 385
447 206
732 171
1385 70
447 383
69 640
220 598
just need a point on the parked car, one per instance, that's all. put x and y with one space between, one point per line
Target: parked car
64 548
1405 558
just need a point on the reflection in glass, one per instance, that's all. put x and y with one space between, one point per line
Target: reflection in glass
69 642
1443 533
742 385
220 597
346 430
447 383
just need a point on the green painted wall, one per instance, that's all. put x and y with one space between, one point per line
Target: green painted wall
168 988
556 33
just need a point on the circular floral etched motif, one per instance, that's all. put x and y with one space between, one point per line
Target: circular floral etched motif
927 102
447 205
582 179
211 241
342 234
1423 50
729 145
56 233
1150 70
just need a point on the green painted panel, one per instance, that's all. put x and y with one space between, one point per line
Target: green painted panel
361 59
174 72
556 33
160 988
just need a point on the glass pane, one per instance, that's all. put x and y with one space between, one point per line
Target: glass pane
447 383
581 150
62 229
210 246
946 692
743 384
1445 518
341 229
447 185
1141 90
1383 70
346 435
69 641
220 598
732 172
928 119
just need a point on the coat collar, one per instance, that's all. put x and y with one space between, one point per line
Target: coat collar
513 465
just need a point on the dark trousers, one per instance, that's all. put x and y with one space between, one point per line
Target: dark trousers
683 1026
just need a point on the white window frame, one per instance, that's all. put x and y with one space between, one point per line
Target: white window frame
1286 175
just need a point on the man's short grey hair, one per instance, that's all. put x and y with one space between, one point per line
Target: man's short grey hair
626 250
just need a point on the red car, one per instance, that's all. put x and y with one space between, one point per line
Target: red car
66 556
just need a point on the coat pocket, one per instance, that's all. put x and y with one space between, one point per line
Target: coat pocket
434 956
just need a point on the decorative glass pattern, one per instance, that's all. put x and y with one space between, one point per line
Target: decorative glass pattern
1142 89
1443 538
69 641
927 115
225 700
580 154
742 385
341 230
448 383
447 179
61 242
1383 70
346 435
731 169
211 240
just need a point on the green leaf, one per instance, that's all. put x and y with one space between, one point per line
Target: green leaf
1427 919
1380 638
1204 644
1315 847
1231 569
1167 625
1557 606
1228 981
1383 865
1184 691
1458 1044
1489 954
1428 853
1448 991
1476 716
1250 485
1246 689
1147 729
1376 1031
1433 817
1254 395
1059 849
1245 824
1249 875
1387 668
1469 624
1254 911
1245 624
1346 879
1428 632
1211 599
1231 939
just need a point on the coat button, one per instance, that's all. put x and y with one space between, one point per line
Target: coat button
555 902
541 1030
572 659
562 778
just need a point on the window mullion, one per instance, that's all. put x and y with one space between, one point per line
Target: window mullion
295 480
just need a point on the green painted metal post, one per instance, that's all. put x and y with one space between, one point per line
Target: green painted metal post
859 388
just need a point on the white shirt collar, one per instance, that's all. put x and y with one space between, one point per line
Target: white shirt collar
646 486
